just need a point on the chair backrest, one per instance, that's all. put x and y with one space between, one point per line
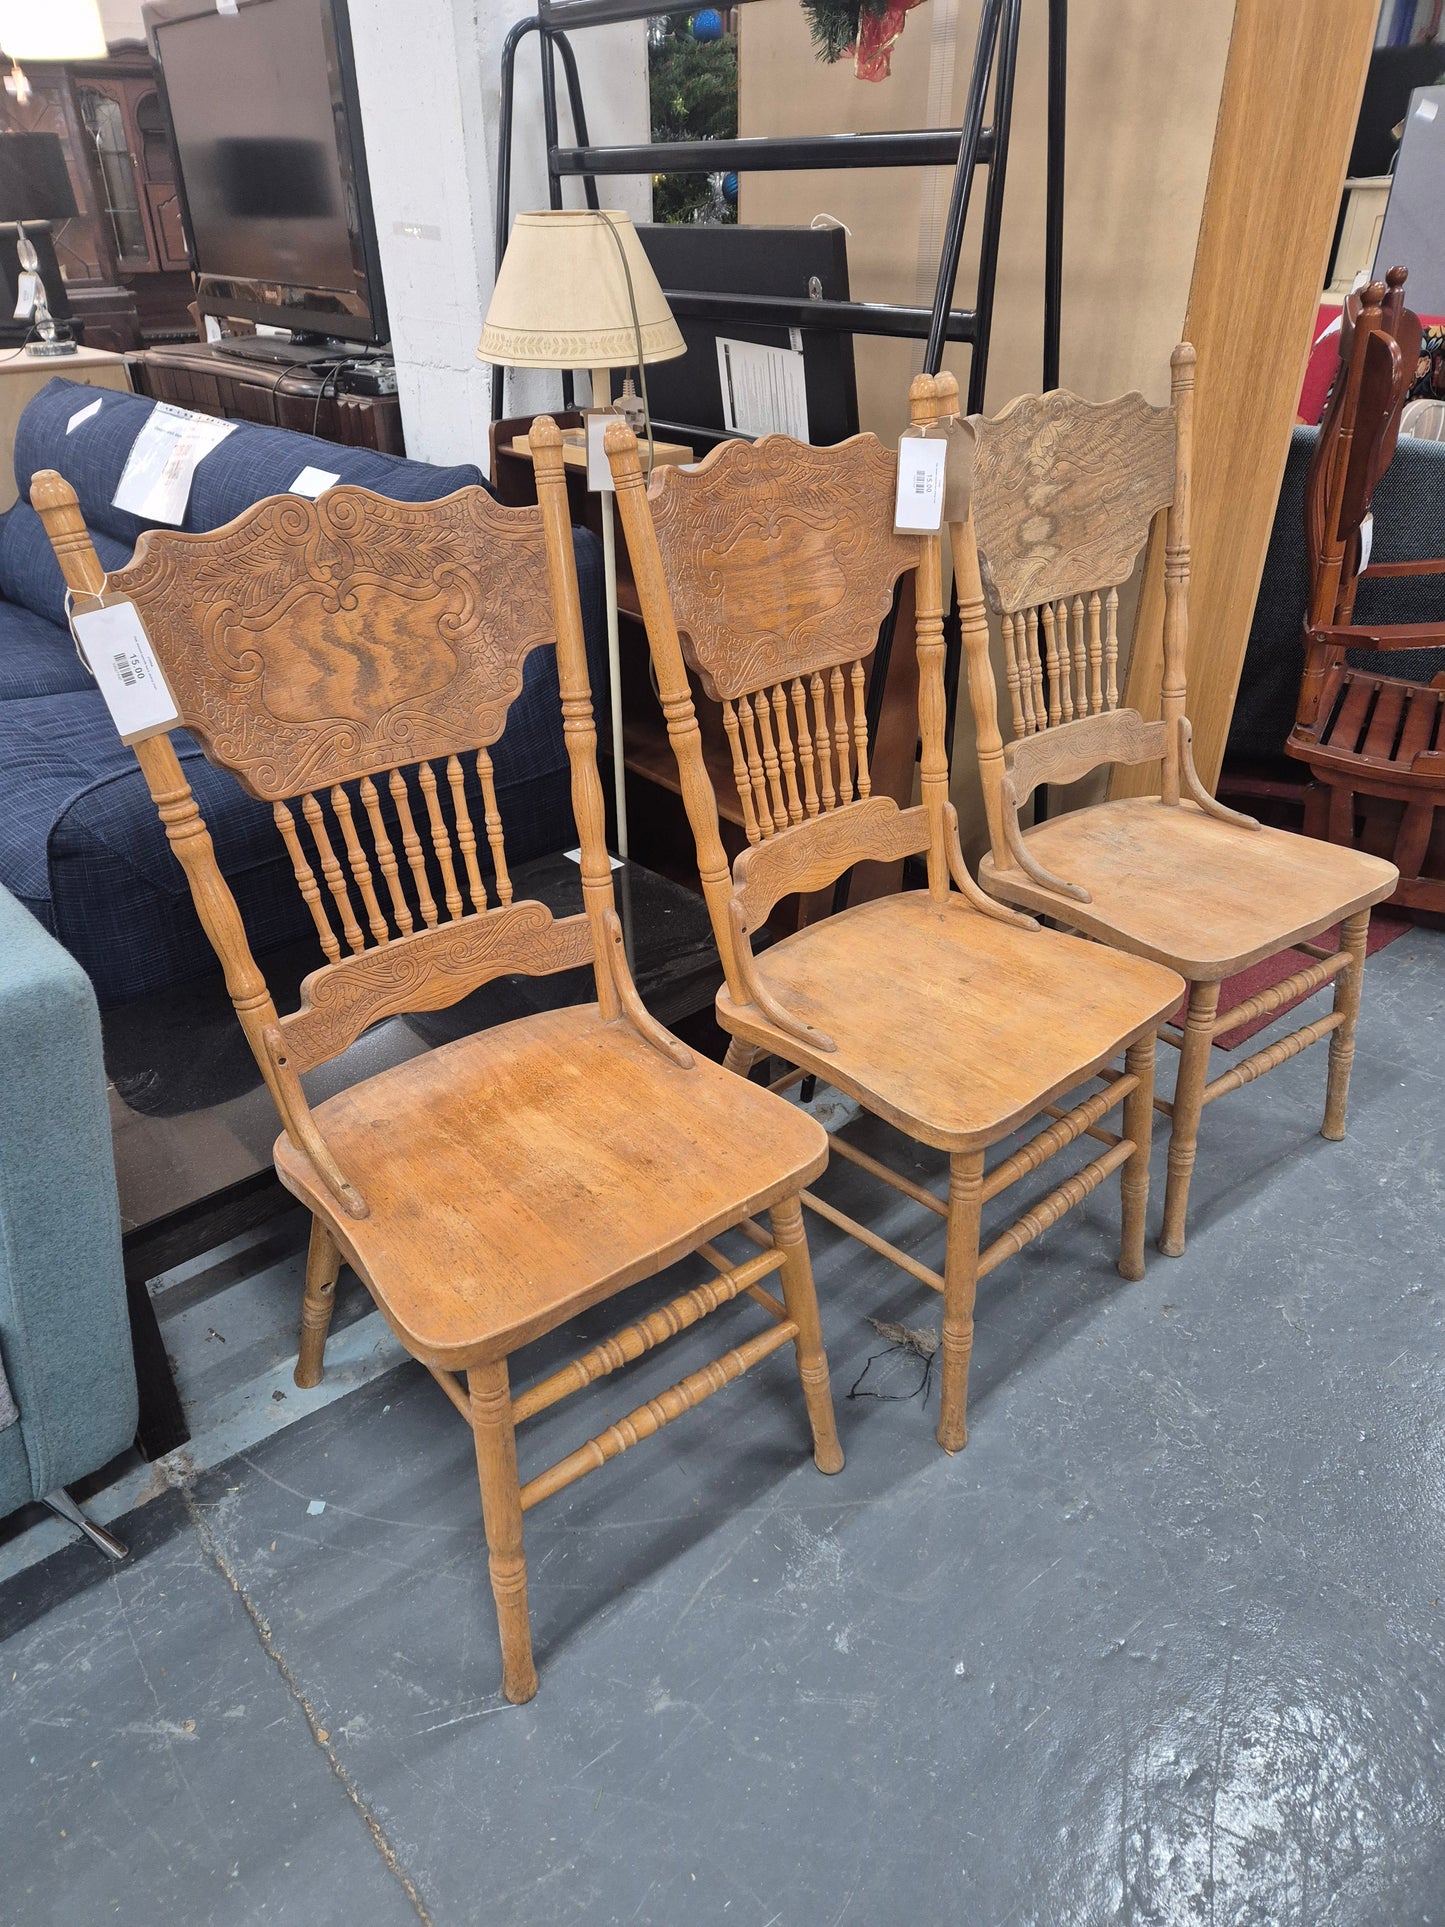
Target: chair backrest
1359 429
1062 498
350 660
768 568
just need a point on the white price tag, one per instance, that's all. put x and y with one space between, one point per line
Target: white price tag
1367 541
83 415
156 480
27 292
918 509
127 674
225 6
599 472
213 329
313 482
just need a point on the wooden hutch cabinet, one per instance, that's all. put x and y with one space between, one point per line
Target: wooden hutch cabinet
124 256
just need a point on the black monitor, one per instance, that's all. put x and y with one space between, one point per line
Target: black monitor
685 395
264 119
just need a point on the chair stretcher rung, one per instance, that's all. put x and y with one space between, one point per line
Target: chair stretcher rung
1271 1058
1049 1210
454 1390
1302 984
1170 1034
1095 1131
906 1185
787 1080
657 1412
633 1340
1312 949
1070 1125
872 1240
720 1261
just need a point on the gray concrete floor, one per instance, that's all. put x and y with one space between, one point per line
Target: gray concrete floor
1165 1644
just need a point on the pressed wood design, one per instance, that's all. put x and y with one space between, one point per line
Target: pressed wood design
1061 499
352 661
766 569
1374 743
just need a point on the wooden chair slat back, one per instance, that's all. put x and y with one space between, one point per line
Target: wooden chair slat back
350 660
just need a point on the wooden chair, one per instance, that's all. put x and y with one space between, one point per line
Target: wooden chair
345 655
771 564
1374 744
1063 493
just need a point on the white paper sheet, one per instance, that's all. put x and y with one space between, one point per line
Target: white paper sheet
313 482
83 415
156 480
763 391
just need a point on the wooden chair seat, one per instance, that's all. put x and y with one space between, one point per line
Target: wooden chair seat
1376 730
574 1159
976 1056
1206 897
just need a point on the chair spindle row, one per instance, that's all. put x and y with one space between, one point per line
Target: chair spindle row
799 752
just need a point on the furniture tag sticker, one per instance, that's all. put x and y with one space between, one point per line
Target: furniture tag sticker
84 415
599 472
225 6
575 856
313 482
921 467
213 329
1367 540
27 292
118 653
156 480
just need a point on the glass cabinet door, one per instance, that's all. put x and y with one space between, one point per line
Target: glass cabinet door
105 123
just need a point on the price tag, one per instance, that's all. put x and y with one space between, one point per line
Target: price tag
599 472
918 509
118 653
225 6
313 482
27 293
1367 541
83 415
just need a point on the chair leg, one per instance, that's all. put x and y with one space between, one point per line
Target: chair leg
323 1262
1134 1178
1188 1104
64 1507
496 1444
1354 933
740 1057
802 1302
960 1282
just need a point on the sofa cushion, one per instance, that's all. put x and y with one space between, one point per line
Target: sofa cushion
82 847
29 573
36 658
252 462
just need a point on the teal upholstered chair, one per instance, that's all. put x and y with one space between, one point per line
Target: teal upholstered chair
67 1380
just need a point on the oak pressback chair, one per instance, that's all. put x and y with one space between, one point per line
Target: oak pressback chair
1374 743
767 569
1062 496
342 658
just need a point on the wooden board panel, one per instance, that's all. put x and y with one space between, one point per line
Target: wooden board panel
1292 88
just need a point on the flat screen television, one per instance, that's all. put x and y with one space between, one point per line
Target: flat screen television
262 107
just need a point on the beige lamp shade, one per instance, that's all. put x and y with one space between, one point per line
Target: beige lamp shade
561 299
52 30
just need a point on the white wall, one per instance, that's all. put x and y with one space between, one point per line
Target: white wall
429 73
121 20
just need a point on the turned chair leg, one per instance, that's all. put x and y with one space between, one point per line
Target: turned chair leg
1134 1178
491 1402
1188 1104
323 1262
802 1302
960 1283
1354 933
740 1057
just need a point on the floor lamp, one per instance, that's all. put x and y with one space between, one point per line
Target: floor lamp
575 290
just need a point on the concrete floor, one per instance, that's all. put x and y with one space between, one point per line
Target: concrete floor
1165 1644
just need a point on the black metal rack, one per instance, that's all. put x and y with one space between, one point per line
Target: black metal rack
966 148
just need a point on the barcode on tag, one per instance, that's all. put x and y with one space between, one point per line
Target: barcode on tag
918 509
117 648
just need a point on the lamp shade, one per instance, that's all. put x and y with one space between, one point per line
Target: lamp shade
51 30
561 299
34 180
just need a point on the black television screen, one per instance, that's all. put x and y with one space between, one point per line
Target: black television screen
264 117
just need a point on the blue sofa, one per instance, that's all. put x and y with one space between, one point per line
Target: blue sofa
80 843
67 1385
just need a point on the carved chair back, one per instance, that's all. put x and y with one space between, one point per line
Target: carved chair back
1063 494
767 569
351 661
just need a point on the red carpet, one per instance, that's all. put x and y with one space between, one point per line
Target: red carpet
1385 926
